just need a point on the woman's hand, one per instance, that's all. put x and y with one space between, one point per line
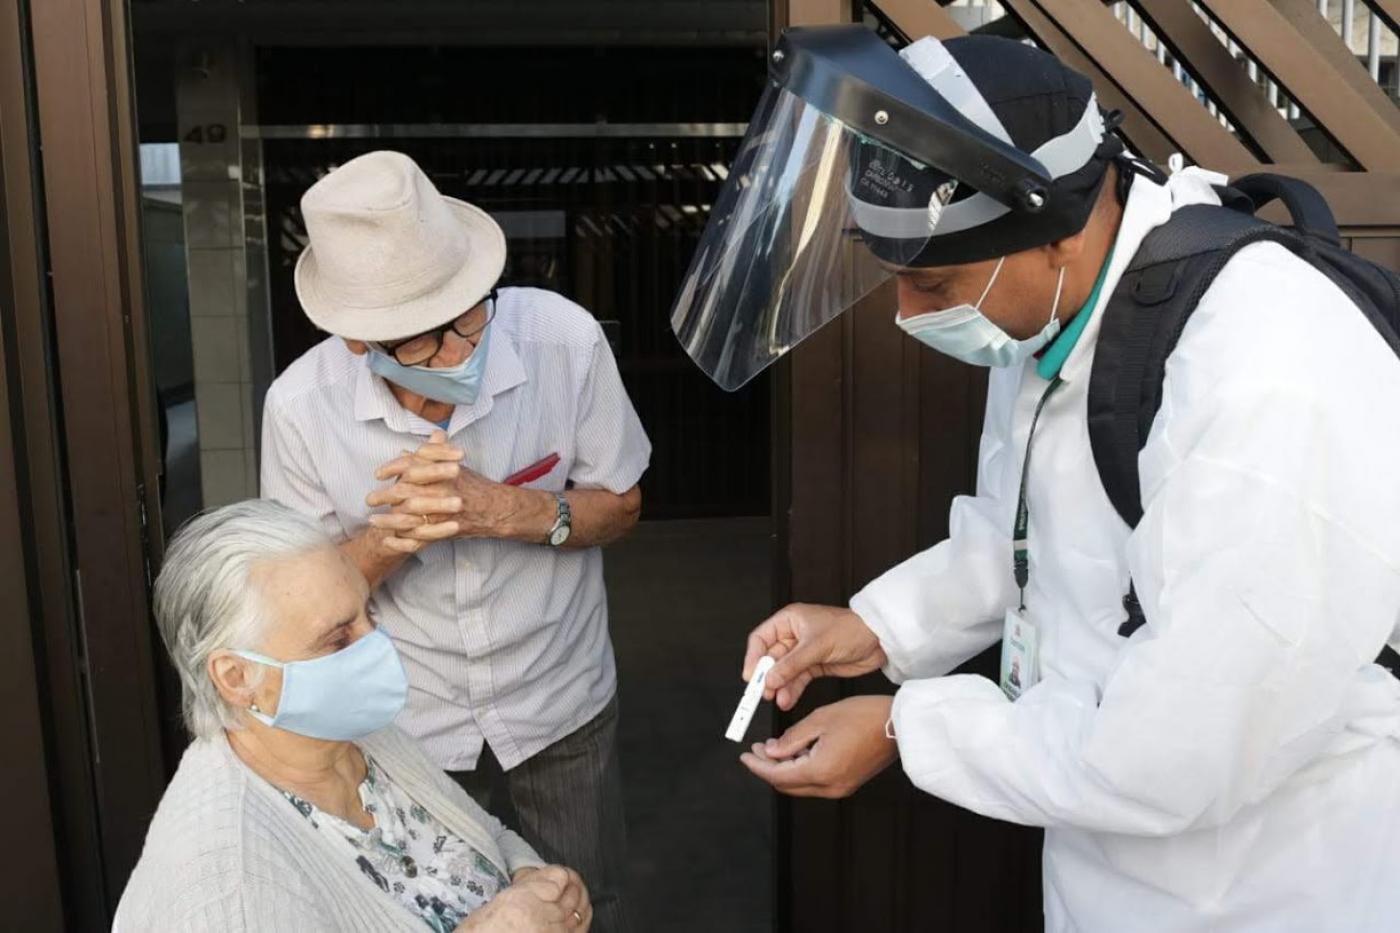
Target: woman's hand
552 899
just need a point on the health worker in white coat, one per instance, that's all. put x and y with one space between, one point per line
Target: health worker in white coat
1233 763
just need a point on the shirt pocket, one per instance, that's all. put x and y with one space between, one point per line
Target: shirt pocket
541 435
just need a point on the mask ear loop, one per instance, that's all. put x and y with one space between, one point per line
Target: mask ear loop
259 658
1059 287
988 290
262 659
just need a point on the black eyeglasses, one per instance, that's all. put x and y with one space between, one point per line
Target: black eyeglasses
417 350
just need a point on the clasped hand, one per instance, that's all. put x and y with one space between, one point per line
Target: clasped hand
539 900
433 497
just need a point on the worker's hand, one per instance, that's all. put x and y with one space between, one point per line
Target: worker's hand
808 642
831 753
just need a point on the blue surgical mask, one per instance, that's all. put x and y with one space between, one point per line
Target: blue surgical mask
341 696
455 385
965 333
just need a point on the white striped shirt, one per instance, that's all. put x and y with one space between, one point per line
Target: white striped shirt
501 640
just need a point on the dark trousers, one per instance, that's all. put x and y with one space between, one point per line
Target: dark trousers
566 801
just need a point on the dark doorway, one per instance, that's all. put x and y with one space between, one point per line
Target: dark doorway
602 191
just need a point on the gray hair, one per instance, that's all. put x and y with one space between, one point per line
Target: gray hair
204 599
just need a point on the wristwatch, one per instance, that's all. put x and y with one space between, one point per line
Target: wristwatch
563 523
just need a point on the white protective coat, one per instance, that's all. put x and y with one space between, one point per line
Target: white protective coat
1235 764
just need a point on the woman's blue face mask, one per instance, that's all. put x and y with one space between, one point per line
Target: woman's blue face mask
341 696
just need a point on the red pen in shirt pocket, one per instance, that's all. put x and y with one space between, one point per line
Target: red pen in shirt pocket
533 472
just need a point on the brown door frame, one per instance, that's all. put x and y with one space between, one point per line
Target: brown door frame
38 524
811 537
85 448
85 115
30 886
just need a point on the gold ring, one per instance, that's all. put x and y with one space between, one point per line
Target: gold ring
578 917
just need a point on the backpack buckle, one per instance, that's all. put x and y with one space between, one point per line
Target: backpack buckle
1136 618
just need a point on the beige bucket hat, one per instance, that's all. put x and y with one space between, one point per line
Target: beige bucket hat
389 255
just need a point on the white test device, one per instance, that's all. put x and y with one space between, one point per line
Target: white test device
748 703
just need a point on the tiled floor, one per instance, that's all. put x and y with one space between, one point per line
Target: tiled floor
683 598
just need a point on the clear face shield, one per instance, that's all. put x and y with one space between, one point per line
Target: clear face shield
819 211
789 243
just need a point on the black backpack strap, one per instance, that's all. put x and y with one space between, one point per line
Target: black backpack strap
1153 301
1141 324
1148 310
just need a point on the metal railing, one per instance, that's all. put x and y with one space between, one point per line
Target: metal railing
1363 30
1378 45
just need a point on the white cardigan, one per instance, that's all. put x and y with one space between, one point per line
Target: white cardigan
226 852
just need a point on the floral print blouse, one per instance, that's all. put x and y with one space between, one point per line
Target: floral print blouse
409 854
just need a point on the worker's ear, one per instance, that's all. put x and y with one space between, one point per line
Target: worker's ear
1064 252
356 347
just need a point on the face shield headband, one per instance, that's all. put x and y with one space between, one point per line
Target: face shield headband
975 226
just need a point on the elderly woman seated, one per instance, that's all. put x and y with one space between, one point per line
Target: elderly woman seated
299 806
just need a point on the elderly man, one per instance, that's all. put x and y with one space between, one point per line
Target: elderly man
493 429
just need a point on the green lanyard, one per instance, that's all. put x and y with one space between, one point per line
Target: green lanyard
1020 544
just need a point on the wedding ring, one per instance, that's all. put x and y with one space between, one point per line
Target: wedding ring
578 917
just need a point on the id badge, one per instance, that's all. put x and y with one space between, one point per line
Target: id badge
1020 655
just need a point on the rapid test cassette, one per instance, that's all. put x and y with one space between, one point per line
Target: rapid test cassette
748 704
